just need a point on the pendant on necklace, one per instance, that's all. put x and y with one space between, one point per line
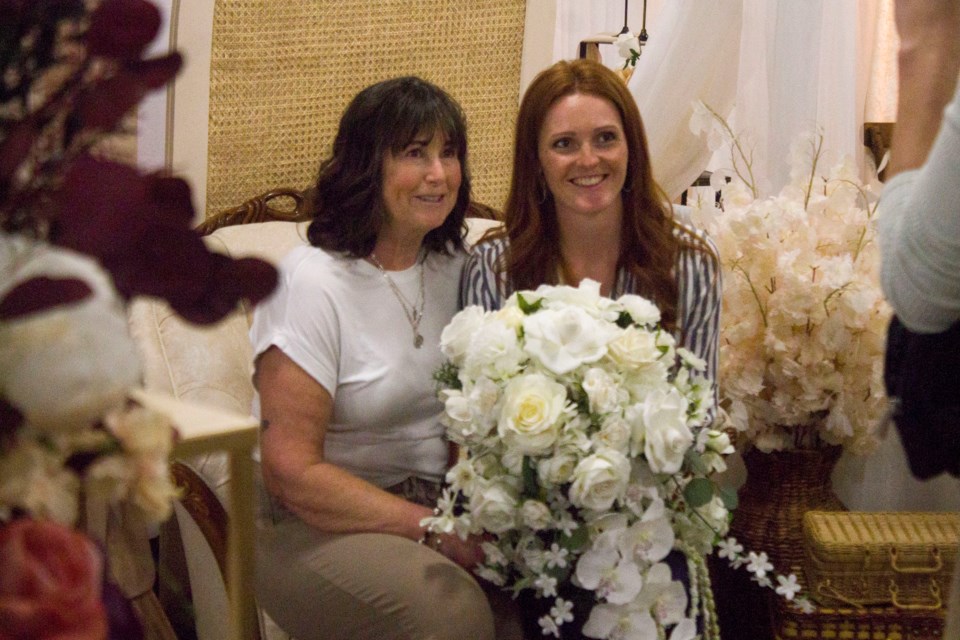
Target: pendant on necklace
417 340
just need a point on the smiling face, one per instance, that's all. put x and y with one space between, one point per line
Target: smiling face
420 185
583 155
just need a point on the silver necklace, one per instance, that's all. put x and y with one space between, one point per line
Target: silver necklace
414 312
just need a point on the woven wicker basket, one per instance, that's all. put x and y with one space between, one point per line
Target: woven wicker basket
857 558
781 487
870 623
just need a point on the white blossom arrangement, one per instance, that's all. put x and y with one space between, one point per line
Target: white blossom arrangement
804 320
586 457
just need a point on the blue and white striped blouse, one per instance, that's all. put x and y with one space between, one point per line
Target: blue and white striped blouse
698 282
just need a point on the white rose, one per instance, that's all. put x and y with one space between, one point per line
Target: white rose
558 468
641 310
535 515
494 507
614 433
494 351
512 462
635 348
602 390
487 465
599 480
455 338
562 340
666 435
511 316
484 396
625 42
531 416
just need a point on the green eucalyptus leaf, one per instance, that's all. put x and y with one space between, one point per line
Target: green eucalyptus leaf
696 464
729 497
575 540
698 492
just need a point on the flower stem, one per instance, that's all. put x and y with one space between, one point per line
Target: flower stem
747 160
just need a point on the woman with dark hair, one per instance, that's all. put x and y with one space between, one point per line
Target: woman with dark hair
352 449
583 204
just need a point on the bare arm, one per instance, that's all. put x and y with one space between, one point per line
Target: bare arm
296 411
928 65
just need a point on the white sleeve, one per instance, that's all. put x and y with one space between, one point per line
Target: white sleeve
919 228
300 318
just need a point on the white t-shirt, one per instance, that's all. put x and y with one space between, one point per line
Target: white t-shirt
339 320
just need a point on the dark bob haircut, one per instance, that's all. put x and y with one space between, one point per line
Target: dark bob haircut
349 210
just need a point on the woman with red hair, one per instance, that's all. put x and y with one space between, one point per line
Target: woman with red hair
583 204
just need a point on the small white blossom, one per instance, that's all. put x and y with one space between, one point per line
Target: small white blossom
788 586
804 605
546 585
562 611
729 548
758 564
556 556
549 626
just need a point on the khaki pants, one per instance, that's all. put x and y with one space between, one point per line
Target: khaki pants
320 586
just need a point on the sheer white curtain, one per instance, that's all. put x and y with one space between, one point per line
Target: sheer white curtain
692 54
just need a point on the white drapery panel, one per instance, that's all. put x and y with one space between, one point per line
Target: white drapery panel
803 67
693 56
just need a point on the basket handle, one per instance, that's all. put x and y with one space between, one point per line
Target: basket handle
937 563
936 604
824 588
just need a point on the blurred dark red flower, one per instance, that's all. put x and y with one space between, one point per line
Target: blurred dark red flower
122 28
139 227
103 105
40 293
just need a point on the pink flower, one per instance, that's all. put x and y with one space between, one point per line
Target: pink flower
50 583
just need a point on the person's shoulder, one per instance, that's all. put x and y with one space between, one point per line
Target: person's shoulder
451 260
307 265
686 230
490 247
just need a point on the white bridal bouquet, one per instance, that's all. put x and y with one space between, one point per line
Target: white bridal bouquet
586 457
